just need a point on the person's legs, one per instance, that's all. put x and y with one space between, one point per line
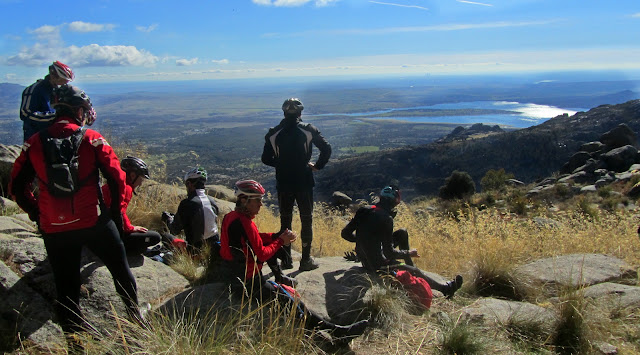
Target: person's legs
401 241
137 242
105 243
64 253
286 200
278 275
305 205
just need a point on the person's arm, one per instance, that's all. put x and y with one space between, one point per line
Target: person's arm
110 167
348 232
255 241
268 154
176 225
36 105
324 147
22 174
386 228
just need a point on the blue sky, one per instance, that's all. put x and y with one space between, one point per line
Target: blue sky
144 40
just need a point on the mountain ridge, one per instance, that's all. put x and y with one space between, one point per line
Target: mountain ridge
530 154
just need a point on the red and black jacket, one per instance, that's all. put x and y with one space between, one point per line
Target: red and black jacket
81 210
244 247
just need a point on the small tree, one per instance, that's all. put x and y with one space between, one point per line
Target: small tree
495 179
459 185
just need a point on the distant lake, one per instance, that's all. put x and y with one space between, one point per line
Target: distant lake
503 113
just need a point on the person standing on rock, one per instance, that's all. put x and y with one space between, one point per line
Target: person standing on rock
288 147
244 250
36 112
78 218
372 230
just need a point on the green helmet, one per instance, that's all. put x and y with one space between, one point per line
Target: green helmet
197 173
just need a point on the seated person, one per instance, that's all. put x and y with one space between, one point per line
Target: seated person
197 215
376 241
244 250
136 239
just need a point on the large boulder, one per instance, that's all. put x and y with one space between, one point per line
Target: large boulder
576 270
8 154
619 137
620 159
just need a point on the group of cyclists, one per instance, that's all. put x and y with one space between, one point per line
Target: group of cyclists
95 216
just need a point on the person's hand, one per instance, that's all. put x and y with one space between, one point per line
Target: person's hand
288 237
312 166
138 229
414 253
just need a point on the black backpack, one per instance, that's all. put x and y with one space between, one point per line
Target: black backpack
61 159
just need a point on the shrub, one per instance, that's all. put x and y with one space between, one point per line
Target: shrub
457 186
495 179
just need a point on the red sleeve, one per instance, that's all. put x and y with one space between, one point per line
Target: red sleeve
128 194
256 240
110 166
22 174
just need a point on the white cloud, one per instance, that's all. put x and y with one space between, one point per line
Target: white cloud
92 55
220 61
79 26
292 3
147 29
636 15
399 5
435 28
186 62
473 3
47 33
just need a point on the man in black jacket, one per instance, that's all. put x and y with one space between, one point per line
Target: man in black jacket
288 147
197 215
376 241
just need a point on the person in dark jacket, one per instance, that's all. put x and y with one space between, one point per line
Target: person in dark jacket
35 110
197 215
136 239
244 250
288 147
81 219
372 230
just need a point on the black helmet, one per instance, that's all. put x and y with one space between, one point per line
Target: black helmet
292 106
136 165
72 96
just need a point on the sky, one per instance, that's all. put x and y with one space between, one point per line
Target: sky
147 40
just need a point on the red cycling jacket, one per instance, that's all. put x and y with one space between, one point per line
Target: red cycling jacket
127 227
237 230
81 210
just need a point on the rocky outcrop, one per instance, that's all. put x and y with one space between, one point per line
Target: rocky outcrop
8 154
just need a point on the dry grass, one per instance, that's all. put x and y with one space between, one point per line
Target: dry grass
481 244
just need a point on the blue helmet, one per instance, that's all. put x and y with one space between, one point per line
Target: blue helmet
391 192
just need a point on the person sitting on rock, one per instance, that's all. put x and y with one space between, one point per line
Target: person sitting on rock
244 250
372 230
197 215
136 239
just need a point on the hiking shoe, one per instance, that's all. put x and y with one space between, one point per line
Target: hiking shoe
453 286
308 264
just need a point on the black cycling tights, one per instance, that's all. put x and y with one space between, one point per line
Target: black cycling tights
64 253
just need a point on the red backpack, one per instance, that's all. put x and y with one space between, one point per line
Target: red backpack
417 287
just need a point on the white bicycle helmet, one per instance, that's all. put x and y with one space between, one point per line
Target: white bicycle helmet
196 173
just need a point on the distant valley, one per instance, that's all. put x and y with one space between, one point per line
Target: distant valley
222 127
